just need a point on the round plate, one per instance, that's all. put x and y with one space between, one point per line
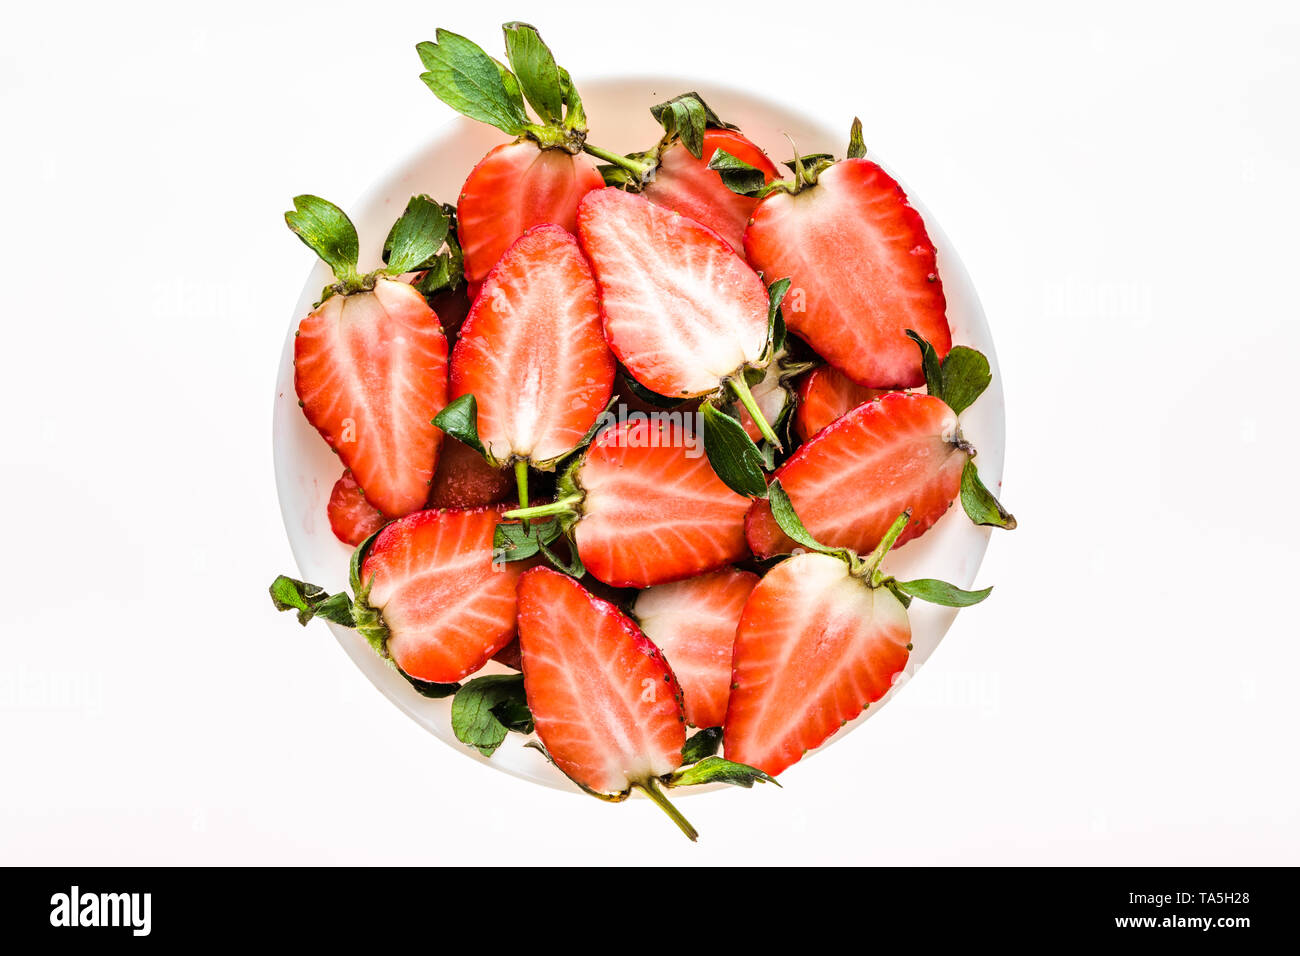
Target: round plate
305 468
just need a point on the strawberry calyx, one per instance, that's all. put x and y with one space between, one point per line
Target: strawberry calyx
463 76
867 569
745 180
684 118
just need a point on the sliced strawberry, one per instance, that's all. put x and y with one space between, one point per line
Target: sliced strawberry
532 351
682 310
465 480
686 185
824 395
694 623
862 268
858 474
605 701
370 370
352 518
653 509
447 607
814 647
514 187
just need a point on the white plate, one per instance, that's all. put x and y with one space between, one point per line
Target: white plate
305 469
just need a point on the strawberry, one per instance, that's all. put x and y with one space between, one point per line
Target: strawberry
861 263
821 637
605 701
370 363
352 518
465 480
644 506
684 183
532 352
427 594
824 394
694 623
851 480
540 177
682 312
513 188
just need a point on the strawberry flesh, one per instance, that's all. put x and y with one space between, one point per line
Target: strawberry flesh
814 647
694 623
858 474
686 185
862 270
371 372
682 311
606 704
448 608
532 351
825 394
654 510
465 480
352 518
514 187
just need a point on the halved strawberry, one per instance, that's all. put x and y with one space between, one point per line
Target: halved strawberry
686 185
445 605
370 370
682 311
694 623
862 268
515 187
465 480
824 394
814 647
605 701
532 352
854 477
352 518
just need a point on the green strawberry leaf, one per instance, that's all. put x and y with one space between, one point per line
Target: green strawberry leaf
979 503
477 708
444 271
510 542
857 148
732 453
784 514
460 420
776 332
572 567
328 232
966 375
811 163
289 594
687 117
468 80
737 175
718 770
703 743
416 237
929 365
534 65
428 688
940 592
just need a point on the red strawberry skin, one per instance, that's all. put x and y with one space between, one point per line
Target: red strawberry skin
514 187
686 185
370 370
694 623
813 649
682 311
533 352
465 480
352 518
862 270
447 607
606 704
824 394
858 474
654 510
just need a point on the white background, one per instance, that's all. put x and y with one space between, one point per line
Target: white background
1121 181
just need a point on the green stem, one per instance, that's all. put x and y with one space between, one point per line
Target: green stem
747 399
868 566
562 506
521 481
650 787
638 169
